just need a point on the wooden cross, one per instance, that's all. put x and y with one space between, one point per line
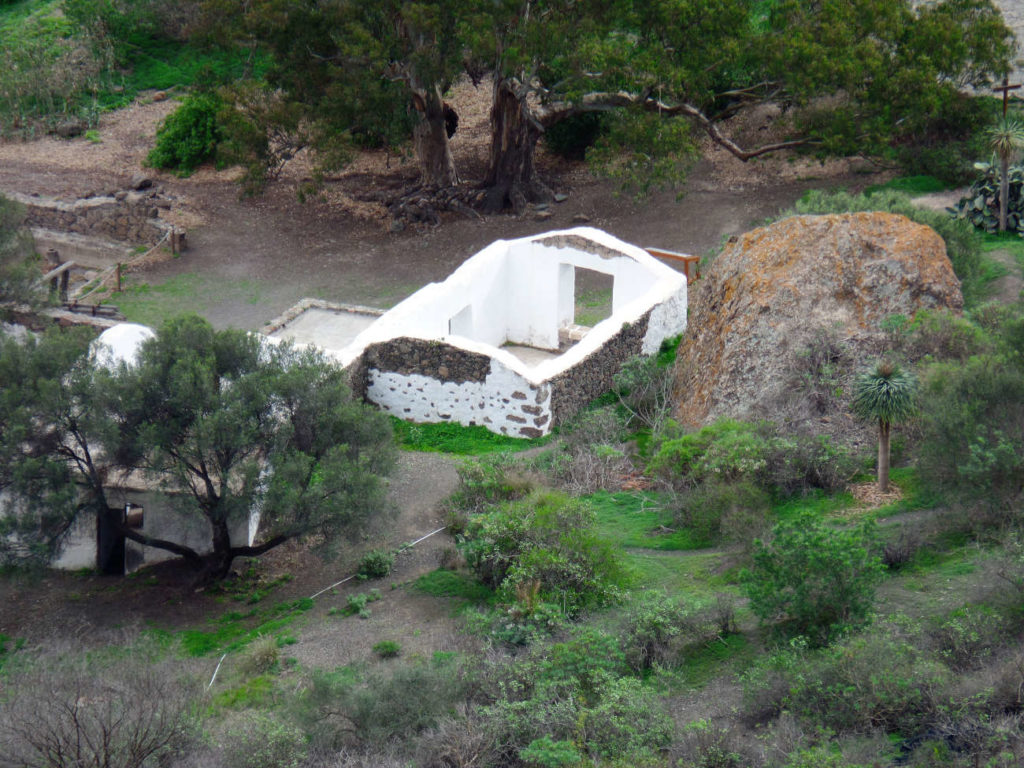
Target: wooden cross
1005 89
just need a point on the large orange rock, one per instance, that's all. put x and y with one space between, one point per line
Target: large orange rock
771 290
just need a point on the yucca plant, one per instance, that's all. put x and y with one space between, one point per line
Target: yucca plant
1006 139
886 394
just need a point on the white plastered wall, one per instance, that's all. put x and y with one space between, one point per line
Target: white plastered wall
518 291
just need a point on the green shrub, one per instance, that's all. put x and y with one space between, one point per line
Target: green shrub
487 481
387 649
972 418
545 753
943 336
761 454
644 389
724 511
967 637
263 740
188 136
375 564
356 604
543 546
653 631
813 581
868 682
621 720
348 706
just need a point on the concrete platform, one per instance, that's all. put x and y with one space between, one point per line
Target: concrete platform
531 355
325 328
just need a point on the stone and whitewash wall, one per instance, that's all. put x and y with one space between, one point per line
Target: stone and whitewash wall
436 356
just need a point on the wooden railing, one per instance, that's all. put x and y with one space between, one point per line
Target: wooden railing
691 264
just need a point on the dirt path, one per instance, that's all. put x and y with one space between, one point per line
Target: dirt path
1007 289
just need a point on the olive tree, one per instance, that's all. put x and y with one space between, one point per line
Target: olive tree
228 424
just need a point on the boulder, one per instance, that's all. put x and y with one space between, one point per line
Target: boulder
140 181
773 290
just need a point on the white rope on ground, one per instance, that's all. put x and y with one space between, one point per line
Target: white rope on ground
208 687
400 549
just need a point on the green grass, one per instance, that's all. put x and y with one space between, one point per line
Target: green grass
234 630
592 307
695 576
632 520
1004 241
730 654
166 64
441 583
455 438
252 693
911 185
817 501
153 304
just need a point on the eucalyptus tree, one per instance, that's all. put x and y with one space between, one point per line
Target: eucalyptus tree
850 76
885 395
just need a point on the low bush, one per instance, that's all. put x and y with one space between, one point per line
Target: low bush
734 512
68 707
589 457
488 481
544 545
188 136
812 581
376 564
347 706
870 681
973 429
261 739
387 649
730 451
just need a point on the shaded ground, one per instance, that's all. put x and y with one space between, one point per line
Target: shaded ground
98 609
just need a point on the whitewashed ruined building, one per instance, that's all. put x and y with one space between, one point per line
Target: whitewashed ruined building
496 344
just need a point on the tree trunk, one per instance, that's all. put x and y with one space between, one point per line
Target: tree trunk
512 179
430 138
109 540
218 564
883 456
1004 190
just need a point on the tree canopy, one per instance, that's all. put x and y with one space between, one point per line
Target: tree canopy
850 75
228 424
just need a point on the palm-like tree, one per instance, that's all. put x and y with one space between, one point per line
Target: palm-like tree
1006 138
885 394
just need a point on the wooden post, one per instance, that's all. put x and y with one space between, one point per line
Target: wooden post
118 277
65 278
1005 89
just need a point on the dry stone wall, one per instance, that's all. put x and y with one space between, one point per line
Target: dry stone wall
128 216
575 387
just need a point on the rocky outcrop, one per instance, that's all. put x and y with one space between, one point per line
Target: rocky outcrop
772 290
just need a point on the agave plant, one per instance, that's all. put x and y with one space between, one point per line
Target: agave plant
981 206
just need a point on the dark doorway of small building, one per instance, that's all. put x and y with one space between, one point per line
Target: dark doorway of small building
593 297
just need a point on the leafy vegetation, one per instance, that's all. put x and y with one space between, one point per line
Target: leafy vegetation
189 135
456 438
